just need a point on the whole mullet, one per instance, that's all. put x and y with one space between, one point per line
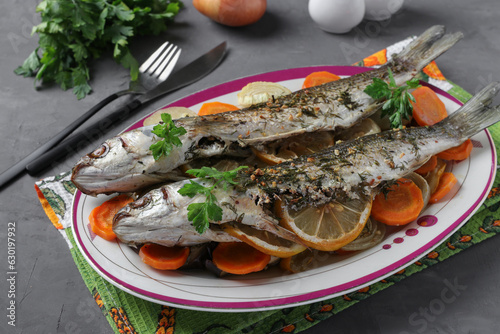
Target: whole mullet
125 163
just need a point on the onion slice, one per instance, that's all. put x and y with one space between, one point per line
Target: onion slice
372 234
434 175
260 91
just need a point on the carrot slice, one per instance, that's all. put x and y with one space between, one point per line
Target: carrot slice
101 217
319 78
210 108
459 152
162 257
428 166
446 183
428 109
400 205
239 258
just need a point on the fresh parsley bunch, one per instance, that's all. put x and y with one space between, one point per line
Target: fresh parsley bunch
200 214
170 134
398 100
73 32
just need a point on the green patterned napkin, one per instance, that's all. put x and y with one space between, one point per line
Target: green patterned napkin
128 314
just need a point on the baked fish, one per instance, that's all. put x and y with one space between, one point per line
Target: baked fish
160 216
125 162
349 170
360 166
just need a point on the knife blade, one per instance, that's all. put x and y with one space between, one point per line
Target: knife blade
47 153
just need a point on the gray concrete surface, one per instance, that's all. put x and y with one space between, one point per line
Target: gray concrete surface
51 296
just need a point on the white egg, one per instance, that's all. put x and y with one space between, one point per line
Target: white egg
337 16
379 10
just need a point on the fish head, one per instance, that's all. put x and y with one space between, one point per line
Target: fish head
119 165
160 216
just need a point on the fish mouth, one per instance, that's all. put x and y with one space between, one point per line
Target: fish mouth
81 179
122 214
85 173
91 181
88 178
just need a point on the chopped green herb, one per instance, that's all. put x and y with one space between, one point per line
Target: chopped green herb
200 214
72 32
170 134
398 100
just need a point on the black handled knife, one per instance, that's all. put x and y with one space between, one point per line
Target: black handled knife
42 157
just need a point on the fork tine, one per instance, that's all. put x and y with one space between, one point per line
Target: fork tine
168 64
144 67
159 60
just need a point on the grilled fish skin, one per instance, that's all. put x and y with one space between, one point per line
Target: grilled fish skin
351 169
359 166
125 163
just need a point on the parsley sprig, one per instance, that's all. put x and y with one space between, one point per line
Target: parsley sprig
170 134
201 214
73 32
397 106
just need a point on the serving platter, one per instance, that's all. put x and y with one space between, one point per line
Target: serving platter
273 289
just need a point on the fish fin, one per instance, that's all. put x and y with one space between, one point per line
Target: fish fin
475 115
270 226
425 48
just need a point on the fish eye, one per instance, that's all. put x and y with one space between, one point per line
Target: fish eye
141 202
100 152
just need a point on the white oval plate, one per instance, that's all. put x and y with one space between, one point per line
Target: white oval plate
274 289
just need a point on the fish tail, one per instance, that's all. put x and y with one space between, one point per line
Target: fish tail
475 115
425 48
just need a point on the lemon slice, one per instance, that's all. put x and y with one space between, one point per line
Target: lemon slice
264 241
327 227
291 148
